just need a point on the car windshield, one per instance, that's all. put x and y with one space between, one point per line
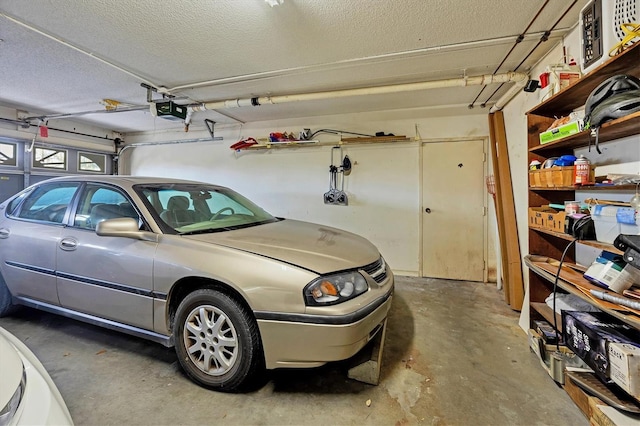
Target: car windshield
198 208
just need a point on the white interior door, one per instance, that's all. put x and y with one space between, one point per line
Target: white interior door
453 215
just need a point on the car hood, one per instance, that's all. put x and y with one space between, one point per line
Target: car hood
11 370
318 248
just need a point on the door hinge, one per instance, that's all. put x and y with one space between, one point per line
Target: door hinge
484 211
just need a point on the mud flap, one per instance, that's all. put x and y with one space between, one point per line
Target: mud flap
368 362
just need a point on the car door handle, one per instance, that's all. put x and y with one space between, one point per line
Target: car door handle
4 233
68 244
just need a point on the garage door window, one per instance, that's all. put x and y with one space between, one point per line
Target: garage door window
8 154
88 162
47 158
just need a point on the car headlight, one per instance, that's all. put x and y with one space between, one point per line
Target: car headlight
332 289
9 410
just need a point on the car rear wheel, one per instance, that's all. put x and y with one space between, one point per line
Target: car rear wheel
217 341
6 305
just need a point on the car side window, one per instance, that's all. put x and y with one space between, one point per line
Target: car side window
98 203
13 205
48 203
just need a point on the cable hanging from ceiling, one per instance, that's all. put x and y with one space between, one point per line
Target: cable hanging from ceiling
543 38
519 39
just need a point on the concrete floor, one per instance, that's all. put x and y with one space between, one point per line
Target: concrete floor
454 355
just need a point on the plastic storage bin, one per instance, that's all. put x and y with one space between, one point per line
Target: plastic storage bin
628 220
606 223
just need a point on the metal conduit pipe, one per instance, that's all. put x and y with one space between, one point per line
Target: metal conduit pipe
483 80
510 94
348 62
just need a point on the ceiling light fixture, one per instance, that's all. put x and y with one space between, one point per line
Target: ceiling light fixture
274 2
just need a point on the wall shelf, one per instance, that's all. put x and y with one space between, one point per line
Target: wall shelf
624 316
544 245
264 144
574 96
628 187
592 243
616 129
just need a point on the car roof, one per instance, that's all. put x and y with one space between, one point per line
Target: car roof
122 180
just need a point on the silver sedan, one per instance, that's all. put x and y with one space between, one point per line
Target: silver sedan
194 266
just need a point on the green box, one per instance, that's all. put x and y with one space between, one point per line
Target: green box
560 132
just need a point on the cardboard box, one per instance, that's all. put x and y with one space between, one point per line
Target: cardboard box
555 221
538 216
625 367
587 334
560 132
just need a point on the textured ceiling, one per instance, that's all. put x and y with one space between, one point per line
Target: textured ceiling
245 48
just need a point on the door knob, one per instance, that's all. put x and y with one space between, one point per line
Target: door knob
427 210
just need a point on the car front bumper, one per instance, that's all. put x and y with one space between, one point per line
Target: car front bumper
311 341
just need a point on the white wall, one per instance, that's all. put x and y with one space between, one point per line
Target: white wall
383 188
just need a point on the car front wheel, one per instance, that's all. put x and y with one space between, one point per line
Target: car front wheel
217 341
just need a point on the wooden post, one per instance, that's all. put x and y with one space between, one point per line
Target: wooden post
506 213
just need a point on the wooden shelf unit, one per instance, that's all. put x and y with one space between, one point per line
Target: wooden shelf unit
539 118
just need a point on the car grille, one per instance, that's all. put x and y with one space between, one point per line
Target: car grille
377 270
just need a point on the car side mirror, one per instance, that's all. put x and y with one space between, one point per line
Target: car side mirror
124 227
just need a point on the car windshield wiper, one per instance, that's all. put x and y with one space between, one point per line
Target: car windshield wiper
231 228
205 231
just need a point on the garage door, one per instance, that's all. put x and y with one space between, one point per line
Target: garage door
19 169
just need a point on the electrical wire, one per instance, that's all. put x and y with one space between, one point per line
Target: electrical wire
555 288
632 30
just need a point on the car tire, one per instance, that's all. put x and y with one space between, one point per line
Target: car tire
217 341
6 304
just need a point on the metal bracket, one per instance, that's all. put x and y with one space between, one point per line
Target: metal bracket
210 127
368 370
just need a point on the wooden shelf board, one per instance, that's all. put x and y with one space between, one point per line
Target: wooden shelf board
277 145
586 188
577 93
377 139
601 246
628 318
547 313
610 131
561 235
264 145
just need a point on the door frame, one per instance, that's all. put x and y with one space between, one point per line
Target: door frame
485 222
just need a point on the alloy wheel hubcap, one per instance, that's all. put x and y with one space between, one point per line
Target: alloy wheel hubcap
211 340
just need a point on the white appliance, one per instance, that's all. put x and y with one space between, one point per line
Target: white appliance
600 28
